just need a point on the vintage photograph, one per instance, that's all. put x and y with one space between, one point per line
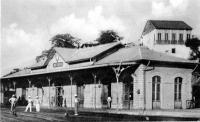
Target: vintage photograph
99 60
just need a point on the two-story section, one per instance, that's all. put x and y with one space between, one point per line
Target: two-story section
167 37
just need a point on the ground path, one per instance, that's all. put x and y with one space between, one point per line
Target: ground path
58 115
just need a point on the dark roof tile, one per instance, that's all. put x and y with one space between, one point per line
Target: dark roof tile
165 24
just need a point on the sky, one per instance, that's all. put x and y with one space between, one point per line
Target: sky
28 25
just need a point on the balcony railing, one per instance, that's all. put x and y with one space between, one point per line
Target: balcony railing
174 42
180 42
162 42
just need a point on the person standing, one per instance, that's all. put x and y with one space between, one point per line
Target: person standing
29 104
75 105
37 104
13 101
109 99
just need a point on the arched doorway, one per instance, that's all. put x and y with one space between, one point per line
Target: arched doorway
128 85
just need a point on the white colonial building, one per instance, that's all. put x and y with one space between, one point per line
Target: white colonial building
167 36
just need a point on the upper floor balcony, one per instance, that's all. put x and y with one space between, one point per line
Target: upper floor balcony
178 42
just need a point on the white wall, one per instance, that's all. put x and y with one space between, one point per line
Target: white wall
117 90
167 86
181 50
138 99
148 40
47 93
18 92
91 97
69 92
56 58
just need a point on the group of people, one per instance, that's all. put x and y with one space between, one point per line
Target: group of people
13 101
30 102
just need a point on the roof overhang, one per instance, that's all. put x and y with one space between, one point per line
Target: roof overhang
72 69
190 65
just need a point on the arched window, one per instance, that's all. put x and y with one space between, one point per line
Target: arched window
156 88
177 88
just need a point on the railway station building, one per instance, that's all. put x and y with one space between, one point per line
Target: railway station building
133 76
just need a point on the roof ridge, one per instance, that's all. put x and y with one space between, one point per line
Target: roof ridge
169 20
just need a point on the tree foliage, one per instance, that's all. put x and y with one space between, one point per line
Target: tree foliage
45 53
59 40
64 40
108 36
194 45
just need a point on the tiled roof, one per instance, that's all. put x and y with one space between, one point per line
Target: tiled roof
165 24
136 53
19 73
71 55
65 53
38 64
44 60
124 55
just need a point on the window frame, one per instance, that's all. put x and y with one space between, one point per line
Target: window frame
180 36
188 36
173 41
178 89
159 38
180 41
166 38
156 88
173 50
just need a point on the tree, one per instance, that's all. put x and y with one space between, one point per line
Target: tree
194 45
108 36
45 54
59 40
65 40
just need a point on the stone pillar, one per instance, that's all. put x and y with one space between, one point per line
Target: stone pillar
139 88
